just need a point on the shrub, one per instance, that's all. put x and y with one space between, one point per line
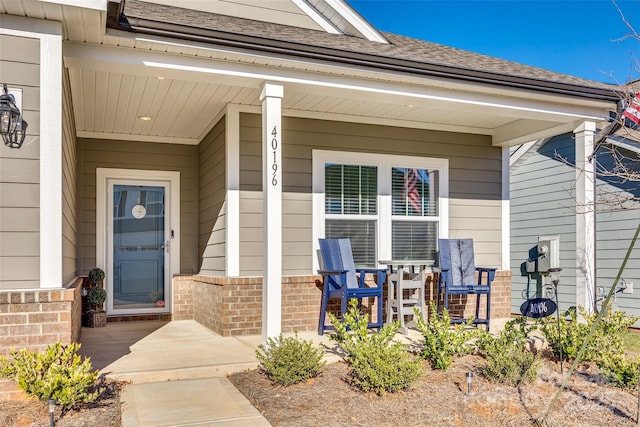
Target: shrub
96 275
377 363
290 360
620 370
96 296
57 373
607 339
441 340
509 361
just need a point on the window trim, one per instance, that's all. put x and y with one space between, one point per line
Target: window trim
384 163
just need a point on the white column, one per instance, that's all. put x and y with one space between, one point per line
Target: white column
271 98
506 211
232 156
585 217
51 160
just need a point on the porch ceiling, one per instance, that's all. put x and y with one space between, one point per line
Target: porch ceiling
184 86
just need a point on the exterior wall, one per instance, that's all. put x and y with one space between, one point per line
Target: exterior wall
93 153
233 306
69 187
615 227
211 202
614 231
34 319
20 171
542 203
474 184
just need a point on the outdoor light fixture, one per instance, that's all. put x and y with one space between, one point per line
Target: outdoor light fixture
469 382
52 411
12 126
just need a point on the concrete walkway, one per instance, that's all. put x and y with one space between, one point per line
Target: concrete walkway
177 372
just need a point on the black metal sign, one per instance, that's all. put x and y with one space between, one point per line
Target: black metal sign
538 307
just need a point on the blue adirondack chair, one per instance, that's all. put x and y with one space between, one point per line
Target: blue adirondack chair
458 276
343 280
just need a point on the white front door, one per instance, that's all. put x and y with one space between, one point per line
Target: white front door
139 240
139 247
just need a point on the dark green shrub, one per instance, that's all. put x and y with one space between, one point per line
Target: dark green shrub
96 296
96 275
377 363
57 373
442 341
290 360
508 359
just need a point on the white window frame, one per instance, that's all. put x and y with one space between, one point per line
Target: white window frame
384 218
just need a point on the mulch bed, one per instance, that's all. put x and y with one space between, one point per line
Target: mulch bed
104 412
440 398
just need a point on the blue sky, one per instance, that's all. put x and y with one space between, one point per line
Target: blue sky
575 37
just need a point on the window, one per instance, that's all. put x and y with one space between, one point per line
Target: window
391 207
414 224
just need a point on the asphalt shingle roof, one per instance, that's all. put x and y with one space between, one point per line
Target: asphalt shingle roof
406 49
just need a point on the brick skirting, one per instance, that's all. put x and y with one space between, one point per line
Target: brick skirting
233 306
35 319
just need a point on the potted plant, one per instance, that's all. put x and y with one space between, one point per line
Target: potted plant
95 297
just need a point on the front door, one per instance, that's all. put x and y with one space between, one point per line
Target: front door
138 247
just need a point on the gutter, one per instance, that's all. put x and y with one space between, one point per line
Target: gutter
117 19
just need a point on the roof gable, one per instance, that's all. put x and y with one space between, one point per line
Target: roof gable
331 16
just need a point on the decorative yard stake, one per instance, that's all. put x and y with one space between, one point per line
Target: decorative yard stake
578 358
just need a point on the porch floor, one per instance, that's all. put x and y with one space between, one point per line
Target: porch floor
177 371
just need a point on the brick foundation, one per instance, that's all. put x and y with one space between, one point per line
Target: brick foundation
35 319
233 306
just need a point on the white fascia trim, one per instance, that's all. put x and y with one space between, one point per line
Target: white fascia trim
521 151
138 138
384 162
366 29
15 26
316 17
106 58
100 5
232 156
506 211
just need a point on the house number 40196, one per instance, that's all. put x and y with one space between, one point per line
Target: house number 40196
274 147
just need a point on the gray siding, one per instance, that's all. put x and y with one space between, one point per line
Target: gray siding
20 171
69 187
614 230
211 198
93 153
542 203
474 187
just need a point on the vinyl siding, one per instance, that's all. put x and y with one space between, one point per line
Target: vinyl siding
614 231
474 187
94 153
542 201
211 198
69 187
20 171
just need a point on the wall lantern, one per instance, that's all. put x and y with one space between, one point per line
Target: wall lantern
13 128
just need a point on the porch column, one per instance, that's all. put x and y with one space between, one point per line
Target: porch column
585 217
271 98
